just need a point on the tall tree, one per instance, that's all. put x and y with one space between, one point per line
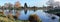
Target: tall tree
25 5
53 3
8 5
57 4
17 4
50 2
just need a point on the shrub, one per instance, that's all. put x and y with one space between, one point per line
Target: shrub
34 18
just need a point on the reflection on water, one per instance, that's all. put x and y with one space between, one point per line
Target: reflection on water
45 17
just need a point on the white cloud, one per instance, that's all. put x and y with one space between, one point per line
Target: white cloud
57 0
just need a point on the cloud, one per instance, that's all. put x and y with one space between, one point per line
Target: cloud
57 0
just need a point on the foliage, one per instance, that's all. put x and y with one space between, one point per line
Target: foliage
11 8
53 11
35 18
5 19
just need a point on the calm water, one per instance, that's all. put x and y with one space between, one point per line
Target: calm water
45 17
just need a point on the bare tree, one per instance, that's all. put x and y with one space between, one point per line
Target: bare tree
8 5
50 2
57 4
53 3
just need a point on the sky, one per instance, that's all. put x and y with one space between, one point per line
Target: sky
30 3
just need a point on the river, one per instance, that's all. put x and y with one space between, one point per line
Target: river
45 17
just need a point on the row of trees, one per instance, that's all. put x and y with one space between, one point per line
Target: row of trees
18 5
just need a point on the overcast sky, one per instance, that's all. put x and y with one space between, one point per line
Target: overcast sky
37 3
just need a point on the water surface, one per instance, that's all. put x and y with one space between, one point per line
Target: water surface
45 17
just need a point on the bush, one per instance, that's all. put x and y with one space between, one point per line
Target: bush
34 18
